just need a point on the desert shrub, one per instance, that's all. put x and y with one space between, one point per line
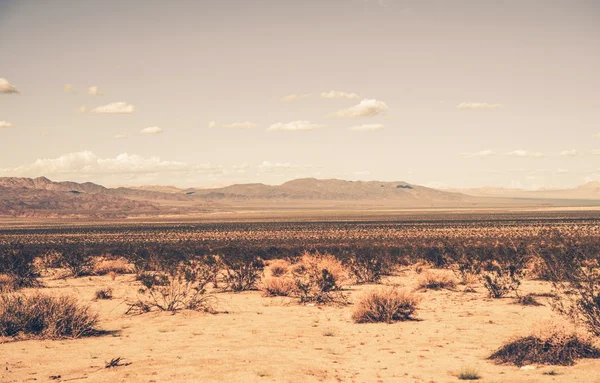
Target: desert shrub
103 266
106 293
575 274
278 267
528 300
77 258
181 288
242 268
468 373
551 345
319 278
369 265
7 283
504 273
277 286
385 305
17 263
45 317
436 280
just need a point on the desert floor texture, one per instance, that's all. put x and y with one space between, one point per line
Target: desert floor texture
260 339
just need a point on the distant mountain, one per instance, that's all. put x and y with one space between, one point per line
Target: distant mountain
590 190
312 189
43 197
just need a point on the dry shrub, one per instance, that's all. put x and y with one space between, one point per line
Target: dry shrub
385 305
106 293
278 267
319 278
183 288
7 283
436 280
46 317
551 344
103 266
422 266
528 300
369 265
17 261
278 286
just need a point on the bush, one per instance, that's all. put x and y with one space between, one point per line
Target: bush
242 267
77 259
575 274
278 286
552 345
278 267
104 293
182 288
45 317
503 274
105 266
7 284
385 305
17 264
369 265
469 374
436 281
319 278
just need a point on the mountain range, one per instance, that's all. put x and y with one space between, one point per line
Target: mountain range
41 197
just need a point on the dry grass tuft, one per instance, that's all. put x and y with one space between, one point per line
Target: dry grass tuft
551 344
277 286
385 305
278 267
46 317
105 266
468 373
104 293
7 283
436 280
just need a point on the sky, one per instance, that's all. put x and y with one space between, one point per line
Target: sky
449 94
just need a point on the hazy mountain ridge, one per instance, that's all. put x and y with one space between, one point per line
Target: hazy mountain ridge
590 190
43 197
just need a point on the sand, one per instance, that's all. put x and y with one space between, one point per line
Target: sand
259 339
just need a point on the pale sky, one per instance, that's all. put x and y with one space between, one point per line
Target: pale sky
213 92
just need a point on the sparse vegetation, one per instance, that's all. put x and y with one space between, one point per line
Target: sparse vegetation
106 293
436 280
278 267
469 373
17 267
278 286
385 305
551 345
46 317
319 279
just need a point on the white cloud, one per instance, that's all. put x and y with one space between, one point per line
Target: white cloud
597 135
366 128
121 136
82 109
6 87
87 162
562 171
568 153
94 91
339 94
68 88
212 124
295 126
151 130
524 153
478 105
240 125
481 153
366 108
115 108
6 124
294 97
596 151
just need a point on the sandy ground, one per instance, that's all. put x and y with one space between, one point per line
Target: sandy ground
276 340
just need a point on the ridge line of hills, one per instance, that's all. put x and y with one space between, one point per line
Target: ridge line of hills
24 197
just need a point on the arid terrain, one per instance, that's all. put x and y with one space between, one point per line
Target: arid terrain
264 339
251 335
